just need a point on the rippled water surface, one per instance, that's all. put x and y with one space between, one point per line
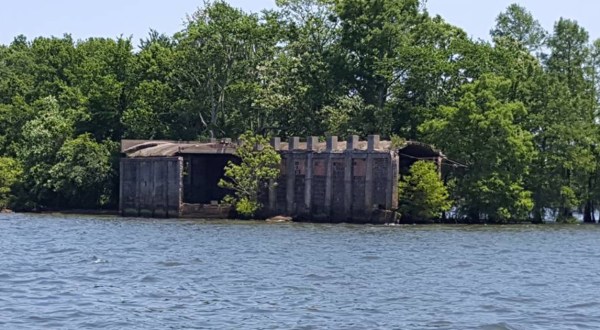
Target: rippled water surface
75 272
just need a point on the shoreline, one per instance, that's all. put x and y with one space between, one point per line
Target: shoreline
290 220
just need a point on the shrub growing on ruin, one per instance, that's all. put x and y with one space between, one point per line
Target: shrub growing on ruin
422 194
258 166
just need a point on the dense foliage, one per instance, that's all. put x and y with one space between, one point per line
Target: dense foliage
256 171
9 175
521 112
422 194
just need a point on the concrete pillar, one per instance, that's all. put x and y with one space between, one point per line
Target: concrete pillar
179 175
121 197
294 143
331 146
373 143
311 146
276 143
369 184
290 183
138 188
352 142
155 177
331 143
348 174
311 143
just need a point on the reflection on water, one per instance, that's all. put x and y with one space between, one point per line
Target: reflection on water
84 272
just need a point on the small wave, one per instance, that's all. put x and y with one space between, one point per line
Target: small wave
584 305
370 257
63 250
149 279
490 293
496 326
170 263
519 299
315 277
537 284
440 324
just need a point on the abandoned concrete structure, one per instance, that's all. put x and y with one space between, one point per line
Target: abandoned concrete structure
333 181
173 179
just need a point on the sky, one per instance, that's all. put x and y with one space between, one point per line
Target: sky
113 18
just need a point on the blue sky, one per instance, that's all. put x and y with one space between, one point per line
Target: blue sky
111 18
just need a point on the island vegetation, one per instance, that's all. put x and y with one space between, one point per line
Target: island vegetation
520 111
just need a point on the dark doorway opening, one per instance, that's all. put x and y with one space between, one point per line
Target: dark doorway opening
202 174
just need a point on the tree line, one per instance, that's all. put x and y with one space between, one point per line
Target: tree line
520 111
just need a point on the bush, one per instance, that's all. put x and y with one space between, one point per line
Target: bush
422 194
10 172
259 164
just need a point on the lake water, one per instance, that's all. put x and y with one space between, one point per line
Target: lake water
76 272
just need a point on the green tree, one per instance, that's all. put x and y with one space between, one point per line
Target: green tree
374 35
217 60
569 133
16 70
258 167
42 138
103 79
82 174
569 52
481 129
299 81
155 109
10 174
422 194
518 24
438 59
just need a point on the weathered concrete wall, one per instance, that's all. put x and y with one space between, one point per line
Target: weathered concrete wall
151 187
352 181
336 185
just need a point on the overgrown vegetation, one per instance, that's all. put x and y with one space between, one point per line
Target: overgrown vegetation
422 194
10 172
258 167
521 111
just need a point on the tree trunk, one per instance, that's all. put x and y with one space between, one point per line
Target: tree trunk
587 212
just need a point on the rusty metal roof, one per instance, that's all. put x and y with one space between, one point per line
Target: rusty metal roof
420 149
171 148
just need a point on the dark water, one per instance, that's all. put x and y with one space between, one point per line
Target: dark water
110 273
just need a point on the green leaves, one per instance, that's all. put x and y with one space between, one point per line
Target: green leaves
521 112
10 174
217 57
517 24
482 130
422 194
82 170
259 165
